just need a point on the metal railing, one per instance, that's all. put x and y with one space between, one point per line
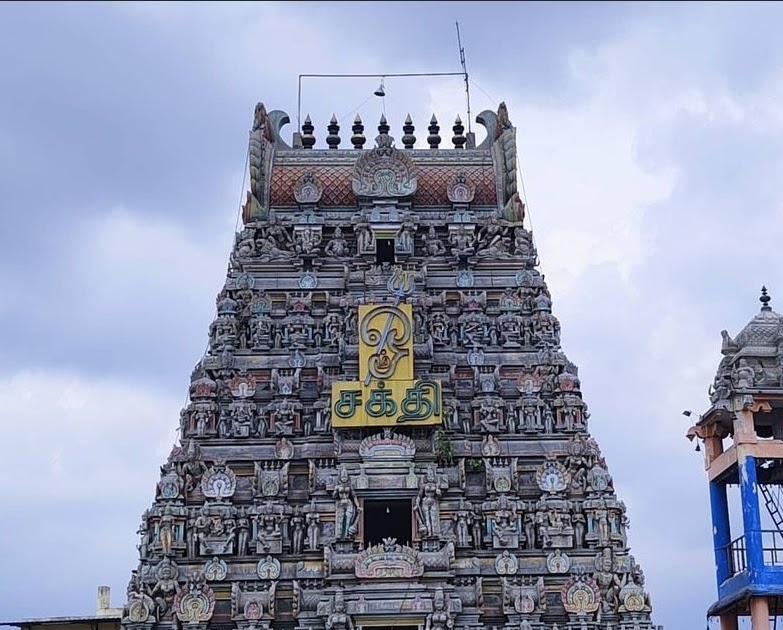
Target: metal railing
771 548
737 556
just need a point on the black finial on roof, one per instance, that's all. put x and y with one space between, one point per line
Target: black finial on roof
383 126
765 299
459 138
333 139
433 139
408 139
308 139
358 139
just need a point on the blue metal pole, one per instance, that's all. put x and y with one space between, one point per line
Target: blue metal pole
751 517
721 530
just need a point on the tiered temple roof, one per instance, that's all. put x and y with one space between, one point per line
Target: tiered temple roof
384 429
749 376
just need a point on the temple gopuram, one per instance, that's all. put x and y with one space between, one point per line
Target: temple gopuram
384 430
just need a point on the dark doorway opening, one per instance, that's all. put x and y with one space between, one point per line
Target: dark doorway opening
384 251
387 519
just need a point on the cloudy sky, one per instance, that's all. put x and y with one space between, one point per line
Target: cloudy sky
650 138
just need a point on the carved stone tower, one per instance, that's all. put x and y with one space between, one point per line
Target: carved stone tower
742 432
384 430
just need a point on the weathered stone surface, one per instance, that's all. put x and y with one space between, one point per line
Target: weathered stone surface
259 517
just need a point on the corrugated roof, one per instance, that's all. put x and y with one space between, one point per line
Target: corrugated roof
43 621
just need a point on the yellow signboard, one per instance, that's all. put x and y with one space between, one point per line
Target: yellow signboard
385 342
398 402
386 392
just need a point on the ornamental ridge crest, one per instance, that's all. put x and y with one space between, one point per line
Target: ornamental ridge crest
219 482
166 569
580 595
633 598
243 386
460 189
139 609
196 603
552 476
215 570
506 563
558 562
308 189
384 172
268 568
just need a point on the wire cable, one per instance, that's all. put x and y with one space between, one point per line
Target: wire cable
487 94
242 189
356 109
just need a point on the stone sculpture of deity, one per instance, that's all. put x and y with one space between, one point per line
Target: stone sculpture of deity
607 580
338 246
339 619
462 520
243 528
166 587
297 530
313 520
440 618
432 244
427 504
346 508
462 242
166 531
743 375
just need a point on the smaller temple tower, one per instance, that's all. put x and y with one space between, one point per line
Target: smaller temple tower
742 433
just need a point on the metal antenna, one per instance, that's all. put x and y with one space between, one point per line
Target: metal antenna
464 72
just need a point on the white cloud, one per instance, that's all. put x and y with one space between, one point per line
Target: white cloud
91 435
248 47
80 461
587 191
124 252
127 277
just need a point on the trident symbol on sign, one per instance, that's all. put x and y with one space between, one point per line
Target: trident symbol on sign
400 285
